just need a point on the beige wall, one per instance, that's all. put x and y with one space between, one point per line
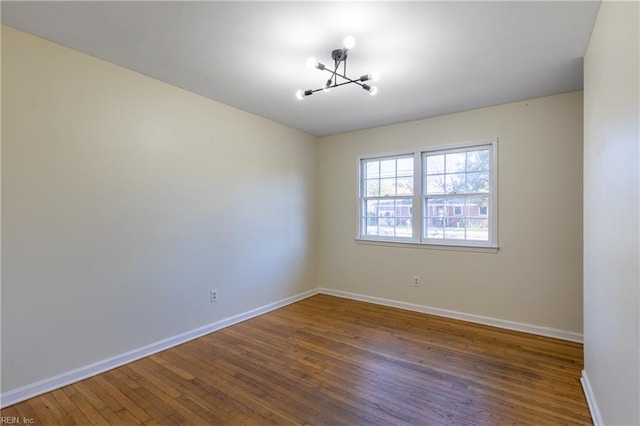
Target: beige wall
535 278
612 213
126 200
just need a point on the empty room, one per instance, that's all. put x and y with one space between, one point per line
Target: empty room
320 213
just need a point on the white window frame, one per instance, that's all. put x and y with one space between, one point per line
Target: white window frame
418 239
362 198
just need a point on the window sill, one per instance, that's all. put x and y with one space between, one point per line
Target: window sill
411 244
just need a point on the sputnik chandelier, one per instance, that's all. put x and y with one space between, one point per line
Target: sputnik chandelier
340 56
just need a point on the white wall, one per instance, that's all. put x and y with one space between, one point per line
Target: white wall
125 200
612 213
535 278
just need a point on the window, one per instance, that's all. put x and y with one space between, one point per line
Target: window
387 197
453 189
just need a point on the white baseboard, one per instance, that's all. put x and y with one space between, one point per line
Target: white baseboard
591 400
29 391
478 319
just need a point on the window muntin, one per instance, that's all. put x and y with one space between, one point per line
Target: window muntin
453 202
387 197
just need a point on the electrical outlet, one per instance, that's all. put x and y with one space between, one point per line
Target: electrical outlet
416 280
214 296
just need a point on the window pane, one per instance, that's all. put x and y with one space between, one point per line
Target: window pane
478 182
370 226
478 230
434 207
387 187
455 183
451 204
455 162
435 184
388 168
386 219
435 164
371 208
385 228
372 188
403 209
405 186
476 206
403 227
386 209
370 221
372 170
478 160
433 228
454 232
405 166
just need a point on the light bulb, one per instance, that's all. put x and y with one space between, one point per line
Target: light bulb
373 90
374 76
349 42
300 94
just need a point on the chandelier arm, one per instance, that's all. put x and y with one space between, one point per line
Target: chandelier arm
338 85
345 77
344 68
335 70
348 82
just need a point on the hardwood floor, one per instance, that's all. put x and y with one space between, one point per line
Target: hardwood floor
328 361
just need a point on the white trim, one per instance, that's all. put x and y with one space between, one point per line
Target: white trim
459 145
34 389
591 399
478 319
414 244
388 154
419 156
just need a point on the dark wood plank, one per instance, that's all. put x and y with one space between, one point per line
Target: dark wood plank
326 361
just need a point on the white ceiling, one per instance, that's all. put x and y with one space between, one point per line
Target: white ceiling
434 57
